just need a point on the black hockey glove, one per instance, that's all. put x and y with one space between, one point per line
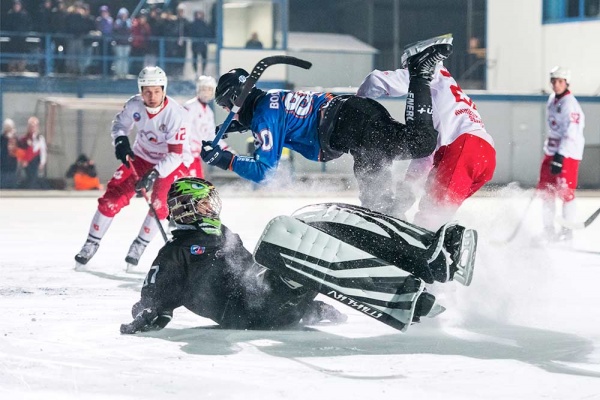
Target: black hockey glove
147 182
147 320
235 126
216 155
556 164
123 149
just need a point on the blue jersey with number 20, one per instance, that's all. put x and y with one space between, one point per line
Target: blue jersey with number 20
282 119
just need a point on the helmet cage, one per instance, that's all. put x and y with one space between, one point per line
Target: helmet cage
194 202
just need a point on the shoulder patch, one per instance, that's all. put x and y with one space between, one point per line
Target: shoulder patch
197 250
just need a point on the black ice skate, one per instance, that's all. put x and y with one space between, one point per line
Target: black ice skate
135 252
86 253
452 255
422 57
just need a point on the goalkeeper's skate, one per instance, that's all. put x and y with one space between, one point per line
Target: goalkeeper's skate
422 57
453 254
133 255
85 254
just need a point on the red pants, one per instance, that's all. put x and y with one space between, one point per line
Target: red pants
459 170
121 188
196 168
561 185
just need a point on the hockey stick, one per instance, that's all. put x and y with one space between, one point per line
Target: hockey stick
251 80
521 221
578 225
145 195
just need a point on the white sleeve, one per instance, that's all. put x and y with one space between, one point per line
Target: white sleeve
385 84
123 122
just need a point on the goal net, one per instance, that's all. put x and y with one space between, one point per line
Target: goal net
74 126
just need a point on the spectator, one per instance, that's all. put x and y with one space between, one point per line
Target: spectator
104 25
76 26
84 174
122 35
253 42
179 47
59 23
18 22
200 32
8 155
34 159
140 43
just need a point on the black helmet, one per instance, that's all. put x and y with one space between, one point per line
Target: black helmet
194 200
230 86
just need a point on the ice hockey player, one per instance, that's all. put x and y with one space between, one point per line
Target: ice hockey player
201 121
364 259
322 127
563 151
206 269
156 157
464 159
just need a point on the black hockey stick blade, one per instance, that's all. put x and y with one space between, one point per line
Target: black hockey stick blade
578 225
251 80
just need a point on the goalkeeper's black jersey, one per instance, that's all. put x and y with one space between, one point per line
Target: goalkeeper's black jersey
215 277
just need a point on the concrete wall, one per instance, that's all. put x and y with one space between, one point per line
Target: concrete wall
521 50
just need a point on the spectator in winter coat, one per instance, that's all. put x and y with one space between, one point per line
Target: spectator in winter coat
8 155
34 159
84 174
122 49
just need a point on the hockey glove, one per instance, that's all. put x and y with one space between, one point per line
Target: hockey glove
556 164
147 182
234 126
215 155
123 149
147 320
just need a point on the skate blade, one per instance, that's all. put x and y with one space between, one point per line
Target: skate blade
417 47
466 263
436 310
134 269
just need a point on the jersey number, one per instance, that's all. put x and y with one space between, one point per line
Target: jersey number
181 134
151 277
299 103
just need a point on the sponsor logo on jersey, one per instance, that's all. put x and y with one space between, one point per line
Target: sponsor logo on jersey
150 136
197 250
162 128
136 116
410 106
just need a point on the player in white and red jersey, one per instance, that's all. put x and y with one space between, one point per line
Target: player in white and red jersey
201 121
563 150
157 157
464 160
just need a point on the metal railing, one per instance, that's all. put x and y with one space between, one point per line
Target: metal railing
52 54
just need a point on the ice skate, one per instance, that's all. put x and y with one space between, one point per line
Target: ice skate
135 252
426 56
452 255
427 306
85 254
417 47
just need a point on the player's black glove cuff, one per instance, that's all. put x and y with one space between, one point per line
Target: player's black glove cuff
147 320
123 149
557 164
216 155
147 182
234 126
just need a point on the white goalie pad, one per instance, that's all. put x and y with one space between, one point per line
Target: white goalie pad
339 270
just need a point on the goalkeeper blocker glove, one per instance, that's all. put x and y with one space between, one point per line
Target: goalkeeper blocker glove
216 155
147 182
557 164
123 149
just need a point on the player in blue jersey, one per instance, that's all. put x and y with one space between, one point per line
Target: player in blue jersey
322 127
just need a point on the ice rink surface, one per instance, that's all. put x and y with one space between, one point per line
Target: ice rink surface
527 328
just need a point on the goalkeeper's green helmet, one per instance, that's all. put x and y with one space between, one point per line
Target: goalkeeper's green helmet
194 201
